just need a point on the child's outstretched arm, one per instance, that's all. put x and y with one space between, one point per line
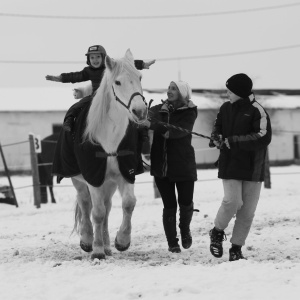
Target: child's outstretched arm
54 78
140 64
147 64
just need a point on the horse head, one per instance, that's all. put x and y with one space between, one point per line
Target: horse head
126 86
118 100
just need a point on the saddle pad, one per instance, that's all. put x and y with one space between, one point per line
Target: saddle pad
73 156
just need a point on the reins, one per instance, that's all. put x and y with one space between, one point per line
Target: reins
167 125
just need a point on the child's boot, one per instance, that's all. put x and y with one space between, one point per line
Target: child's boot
68 124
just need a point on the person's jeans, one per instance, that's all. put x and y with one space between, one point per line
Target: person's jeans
240 199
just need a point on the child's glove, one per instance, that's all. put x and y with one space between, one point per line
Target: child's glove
78 94
147 64
53 78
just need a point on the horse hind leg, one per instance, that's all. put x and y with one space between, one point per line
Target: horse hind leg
83 223
123 237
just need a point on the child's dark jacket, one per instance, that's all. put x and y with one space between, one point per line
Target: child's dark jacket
92 74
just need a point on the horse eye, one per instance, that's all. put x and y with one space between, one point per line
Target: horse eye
117 82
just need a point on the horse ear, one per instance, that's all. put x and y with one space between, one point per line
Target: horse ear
129 55
109 62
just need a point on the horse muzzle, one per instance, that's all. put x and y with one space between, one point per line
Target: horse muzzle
139 114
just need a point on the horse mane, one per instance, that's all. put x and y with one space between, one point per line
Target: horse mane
102 101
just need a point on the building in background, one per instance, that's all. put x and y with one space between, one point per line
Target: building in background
41 111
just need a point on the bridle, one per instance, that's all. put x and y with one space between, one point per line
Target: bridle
130 100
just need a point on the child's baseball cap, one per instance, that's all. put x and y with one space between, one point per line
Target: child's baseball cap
96 49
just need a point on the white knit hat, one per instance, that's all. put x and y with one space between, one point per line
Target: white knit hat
184 89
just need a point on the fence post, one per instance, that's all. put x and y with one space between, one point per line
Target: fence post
35 172
8 176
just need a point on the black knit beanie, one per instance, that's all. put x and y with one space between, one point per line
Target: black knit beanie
240 84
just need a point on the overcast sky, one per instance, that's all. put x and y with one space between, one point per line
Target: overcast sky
206 33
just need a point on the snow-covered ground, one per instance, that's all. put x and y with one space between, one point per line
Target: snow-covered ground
39 259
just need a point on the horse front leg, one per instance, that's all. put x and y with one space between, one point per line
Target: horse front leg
108 190
123 237
98 215
83 209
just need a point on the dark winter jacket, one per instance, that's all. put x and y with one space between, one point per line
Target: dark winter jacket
247 126
92 74
174 156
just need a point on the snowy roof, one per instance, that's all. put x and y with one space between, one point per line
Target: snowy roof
60 99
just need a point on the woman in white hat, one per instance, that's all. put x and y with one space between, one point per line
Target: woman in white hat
173 162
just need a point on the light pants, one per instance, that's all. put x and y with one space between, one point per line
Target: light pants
240 199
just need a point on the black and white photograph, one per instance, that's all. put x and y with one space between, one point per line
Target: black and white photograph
149 149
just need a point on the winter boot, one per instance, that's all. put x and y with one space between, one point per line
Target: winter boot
186 214
216 242
235 253
169 222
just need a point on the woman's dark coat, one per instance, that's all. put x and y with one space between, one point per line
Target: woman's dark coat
174 156
247 126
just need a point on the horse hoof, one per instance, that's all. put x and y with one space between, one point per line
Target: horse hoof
86 247
98 256
121 248
108 252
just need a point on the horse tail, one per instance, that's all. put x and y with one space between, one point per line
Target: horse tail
77 219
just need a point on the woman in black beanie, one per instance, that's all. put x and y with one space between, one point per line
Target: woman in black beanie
242 131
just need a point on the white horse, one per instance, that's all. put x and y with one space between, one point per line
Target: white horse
118 101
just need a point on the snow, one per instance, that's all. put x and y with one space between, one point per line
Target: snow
40 259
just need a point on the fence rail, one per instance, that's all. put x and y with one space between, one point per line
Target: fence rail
35 165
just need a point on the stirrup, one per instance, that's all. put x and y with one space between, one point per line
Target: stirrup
68 124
